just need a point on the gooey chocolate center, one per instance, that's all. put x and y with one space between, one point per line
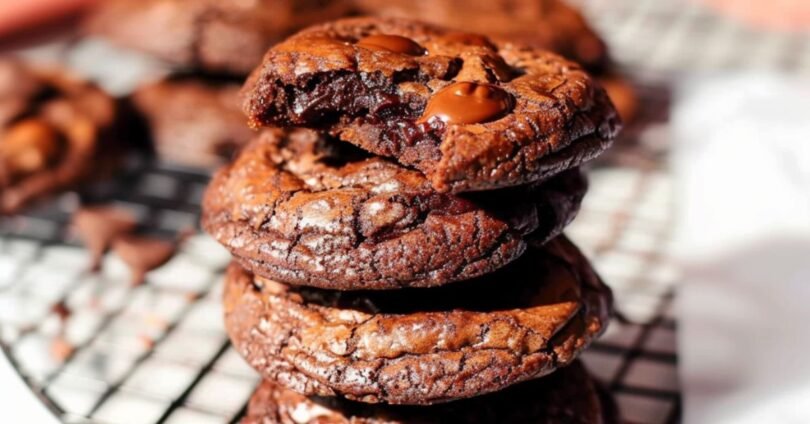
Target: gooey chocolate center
467 103
392 43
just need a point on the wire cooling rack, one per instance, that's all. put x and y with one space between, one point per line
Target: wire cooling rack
158 353
659 38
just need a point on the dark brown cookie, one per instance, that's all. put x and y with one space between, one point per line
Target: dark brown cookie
547 24
417 346
294 208
212 35
54 129
568 396
467 114
194 121
622 94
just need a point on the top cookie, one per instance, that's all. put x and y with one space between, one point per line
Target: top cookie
548 24
468 114
215 36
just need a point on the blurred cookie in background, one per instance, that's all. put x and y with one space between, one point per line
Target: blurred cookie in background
548 24
622 94
213 36
56 131
193 121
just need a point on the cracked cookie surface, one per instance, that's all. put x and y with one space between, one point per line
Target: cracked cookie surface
418 346
212 35
568 396
468 114
305 210
56 131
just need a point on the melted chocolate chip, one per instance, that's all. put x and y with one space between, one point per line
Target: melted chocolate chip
322 41
467 103
143 254
98 226
469 39
392 43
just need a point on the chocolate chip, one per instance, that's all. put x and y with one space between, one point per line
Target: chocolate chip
143 254
61 310
467 103
98 226
392 43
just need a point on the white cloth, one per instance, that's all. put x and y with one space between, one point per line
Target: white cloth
17 401
742 161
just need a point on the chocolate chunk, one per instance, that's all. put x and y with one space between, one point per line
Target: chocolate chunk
392 43
98 226
61 310
417 346
28 146
467 103
143 254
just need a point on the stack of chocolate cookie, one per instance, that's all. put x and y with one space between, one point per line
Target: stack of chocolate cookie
396 230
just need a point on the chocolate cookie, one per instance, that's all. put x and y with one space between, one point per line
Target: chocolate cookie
298 208
547 24
568 396
212 35
466 113
417 346
54 129
194 121
622 94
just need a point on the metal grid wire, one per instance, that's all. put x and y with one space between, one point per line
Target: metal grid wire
158 353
